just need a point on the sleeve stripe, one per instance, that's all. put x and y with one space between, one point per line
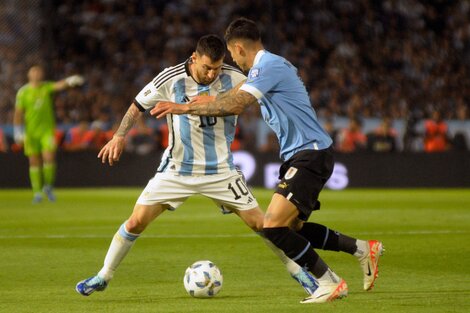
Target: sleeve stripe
138 105
167 76
252 90
165 71
231 68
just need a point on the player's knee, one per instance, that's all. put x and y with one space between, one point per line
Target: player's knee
136 224
297 224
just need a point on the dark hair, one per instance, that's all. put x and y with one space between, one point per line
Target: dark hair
212 46
242 28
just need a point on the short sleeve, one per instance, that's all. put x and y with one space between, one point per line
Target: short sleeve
261 80
149 96
19 99
49 86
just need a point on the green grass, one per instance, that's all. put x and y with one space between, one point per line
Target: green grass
45 249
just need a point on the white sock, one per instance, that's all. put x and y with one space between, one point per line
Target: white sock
329 277
292 267
362 248
120 245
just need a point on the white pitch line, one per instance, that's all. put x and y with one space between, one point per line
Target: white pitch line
249 235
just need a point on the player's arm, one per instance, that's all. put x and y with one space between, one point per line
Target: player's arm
18 118
229 93
112 151
71 81
222 107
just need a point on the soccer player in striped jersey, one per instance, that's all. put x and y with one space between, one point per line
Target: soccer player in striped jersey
198 159
306 151
34 126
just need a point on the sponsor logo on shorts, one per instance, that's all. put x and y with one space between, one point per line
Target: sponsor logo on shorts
290 173
283 185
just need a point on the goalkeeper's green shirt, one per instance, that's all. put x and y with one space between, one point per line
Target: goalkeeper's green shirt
37 104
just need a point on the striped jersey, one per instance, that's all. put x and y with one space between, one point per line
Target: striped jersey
198 145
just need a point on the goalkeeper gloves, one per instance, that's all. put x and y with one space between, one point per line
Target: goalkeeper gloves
75 80
18 134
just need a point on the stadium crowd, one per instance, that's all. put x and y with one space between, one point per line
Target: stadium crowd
389 60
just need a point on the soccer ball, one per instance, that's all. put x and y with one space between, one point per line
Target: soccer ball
203 279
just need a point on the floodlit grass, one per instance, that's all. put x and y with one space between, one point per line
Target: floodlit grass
45 249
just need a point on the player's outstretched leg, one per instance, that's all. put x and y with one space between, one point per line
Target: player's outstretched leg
298 273
328 286
120 245
367 252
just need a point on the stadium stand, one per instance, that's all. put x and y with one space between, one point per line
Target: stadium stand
400 59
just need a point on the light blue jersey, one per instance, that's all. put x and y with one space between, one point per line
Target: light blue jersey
285 104
198 145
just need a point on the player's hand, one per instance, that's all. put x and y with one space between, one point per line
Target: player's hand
202 99
112 151
161 109
75 80
18 135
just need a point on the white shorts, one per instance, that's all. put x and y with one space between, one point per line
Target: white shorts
227 190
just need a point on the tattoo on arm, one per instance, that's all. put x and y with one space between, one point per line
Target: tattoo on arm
128 121
231 92
225 106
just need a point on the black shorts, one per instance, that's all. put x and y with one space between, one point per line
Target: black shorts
303 177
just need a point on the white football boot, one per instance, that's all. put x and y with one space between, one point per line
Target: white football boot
370 263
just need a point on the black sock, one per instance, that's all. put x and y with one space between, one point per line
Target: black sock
296 248
321 237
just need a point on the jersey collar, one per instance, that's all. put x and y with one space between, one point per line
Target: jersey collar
258 56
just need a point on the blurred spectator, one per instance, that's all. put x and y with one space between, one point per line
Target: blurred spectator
3 142
78 138
237 141
271 145
412 135
373 58
462 132
435 134
331 130
352 138
141 138
383 138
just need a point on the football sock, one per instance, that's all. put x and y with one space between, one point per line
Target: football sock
362 248
120 245
49 173
35 178
321 237
292 267
329 277
297 248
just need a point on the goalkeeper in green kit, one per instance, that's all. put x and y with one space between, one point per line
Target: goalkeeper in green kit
34 126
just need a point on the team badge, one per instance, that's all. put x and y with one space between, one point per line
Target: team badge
290 173
254 73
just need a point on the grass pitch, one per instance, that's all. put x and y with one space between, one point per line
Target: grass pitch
45 249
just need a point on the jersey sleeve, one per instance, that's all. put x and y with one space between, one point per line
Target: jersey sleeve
149 96
19 103
261 79
238 77
49 85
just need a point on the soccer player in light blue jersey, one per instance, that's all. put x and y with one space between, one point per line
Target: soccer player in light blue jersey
198 159
306 151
